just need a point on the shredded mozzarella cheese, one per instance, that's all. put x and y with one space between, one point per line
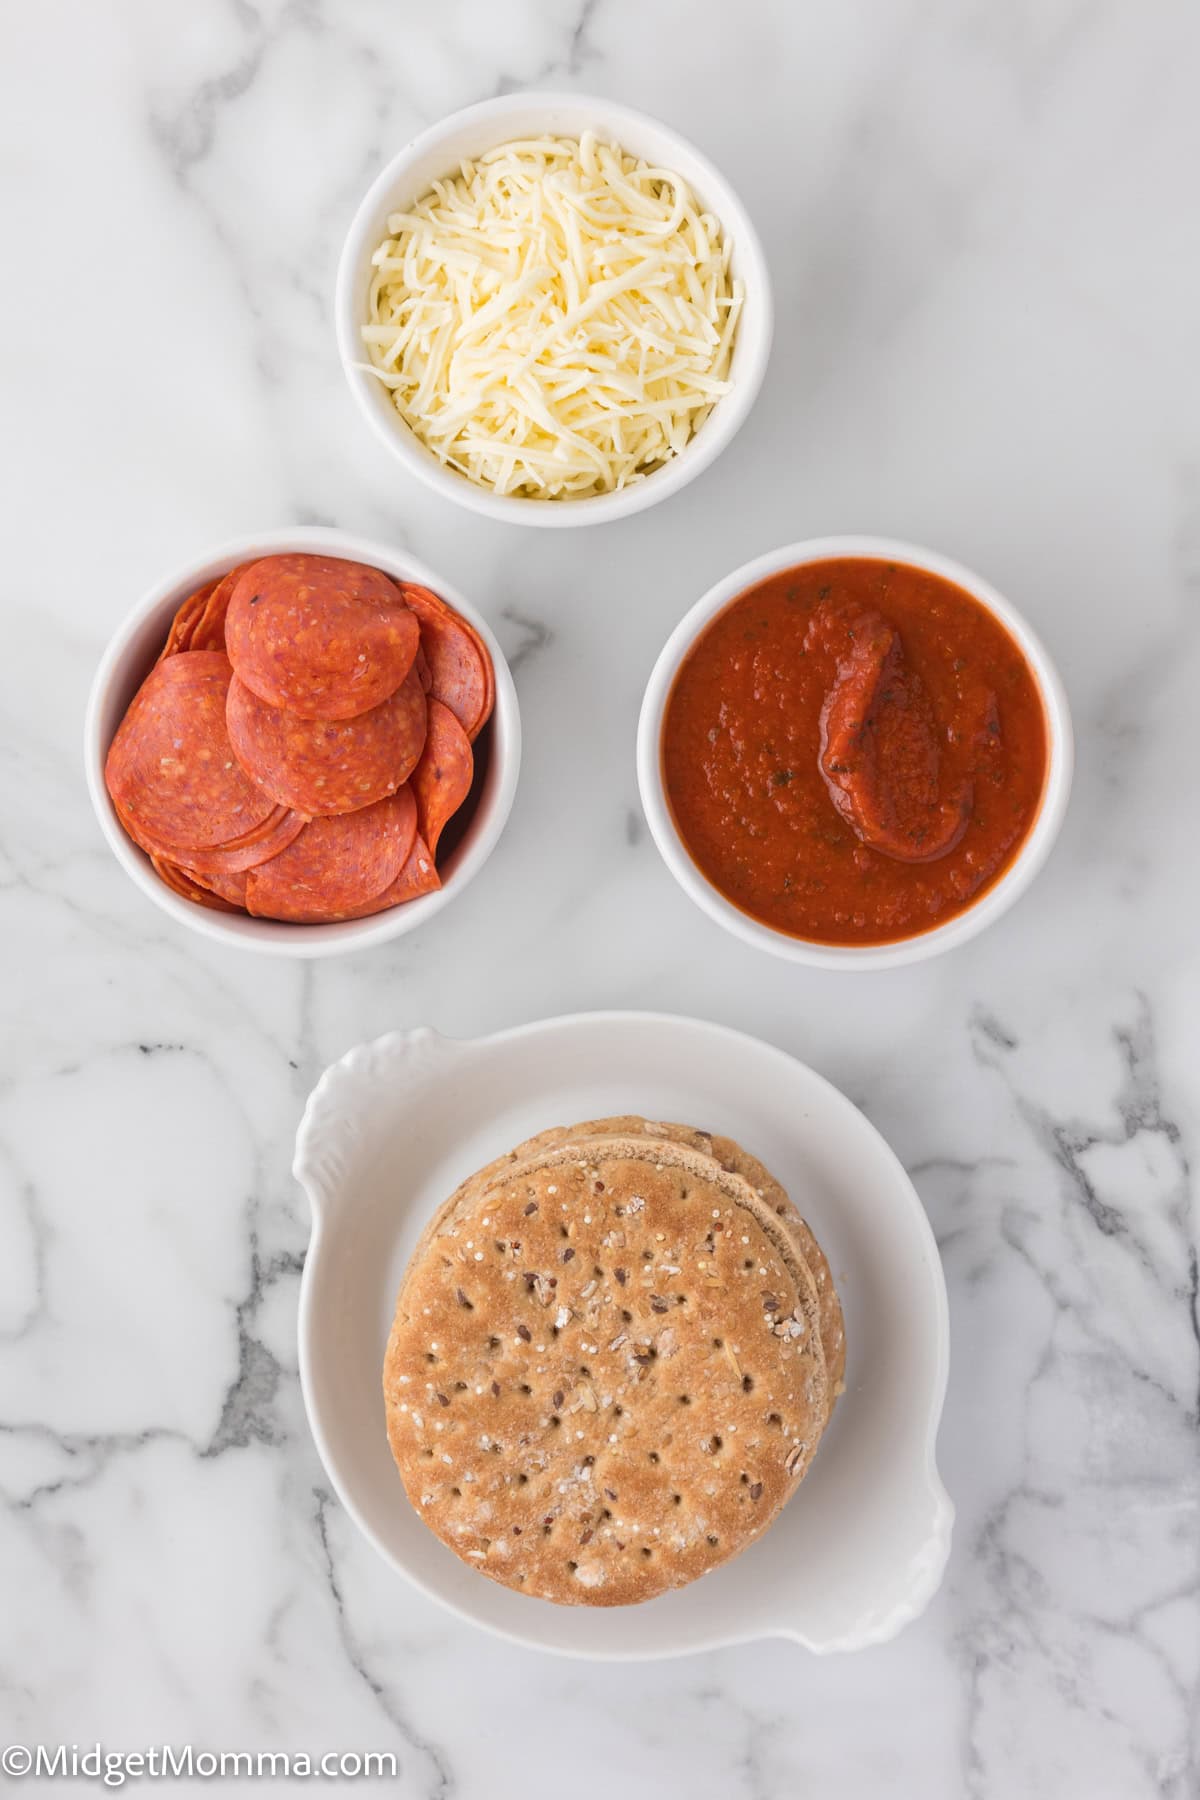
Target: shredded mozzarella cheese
556 320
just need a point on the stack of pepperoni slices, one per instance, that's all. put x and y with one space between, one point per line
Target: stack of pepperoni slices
299 746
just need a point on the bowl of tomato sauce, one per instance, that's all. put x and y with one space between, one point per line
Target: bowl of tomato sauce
854 753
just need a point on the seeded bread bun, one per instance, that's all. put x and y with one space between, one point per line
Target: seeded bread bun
607 1370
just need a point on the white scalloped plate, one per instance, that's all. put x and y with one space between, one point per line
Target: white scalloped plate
394 1126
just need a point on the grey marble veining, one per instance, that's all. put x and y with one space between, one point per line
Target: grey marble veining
981 224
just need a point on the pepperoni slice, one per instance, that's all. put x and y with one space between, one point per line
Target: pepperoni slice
320 637
276 832
170 769
880 750
442 779
180 882
461 675
210 626
323 766
336 865
183 626
417 877
227 887
200 622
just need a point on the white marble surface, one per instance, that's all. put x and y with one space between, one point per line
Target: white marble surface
981 219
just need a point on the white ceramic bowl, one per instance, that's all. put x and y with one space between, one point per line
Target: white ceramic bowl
996 900
437 152
124 666
394 1127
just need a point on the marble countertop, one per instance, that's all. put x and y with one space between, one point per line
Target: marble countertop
981 221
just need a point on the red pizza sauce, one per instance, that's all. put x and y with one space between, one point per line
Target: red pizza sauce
854 751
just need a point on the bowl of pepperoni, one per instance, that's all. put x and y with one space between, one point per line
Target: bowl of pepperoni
854 753
304 743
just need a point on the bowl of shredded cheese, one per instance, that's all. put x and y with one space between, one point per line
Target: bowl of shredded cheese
553 309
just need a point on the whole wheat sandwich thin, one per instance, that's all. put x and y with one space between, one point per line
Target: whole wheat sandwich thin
614 1353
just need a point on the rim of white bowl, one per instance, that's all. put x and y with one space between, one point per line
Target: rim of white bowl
127 659
996 899
751 349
